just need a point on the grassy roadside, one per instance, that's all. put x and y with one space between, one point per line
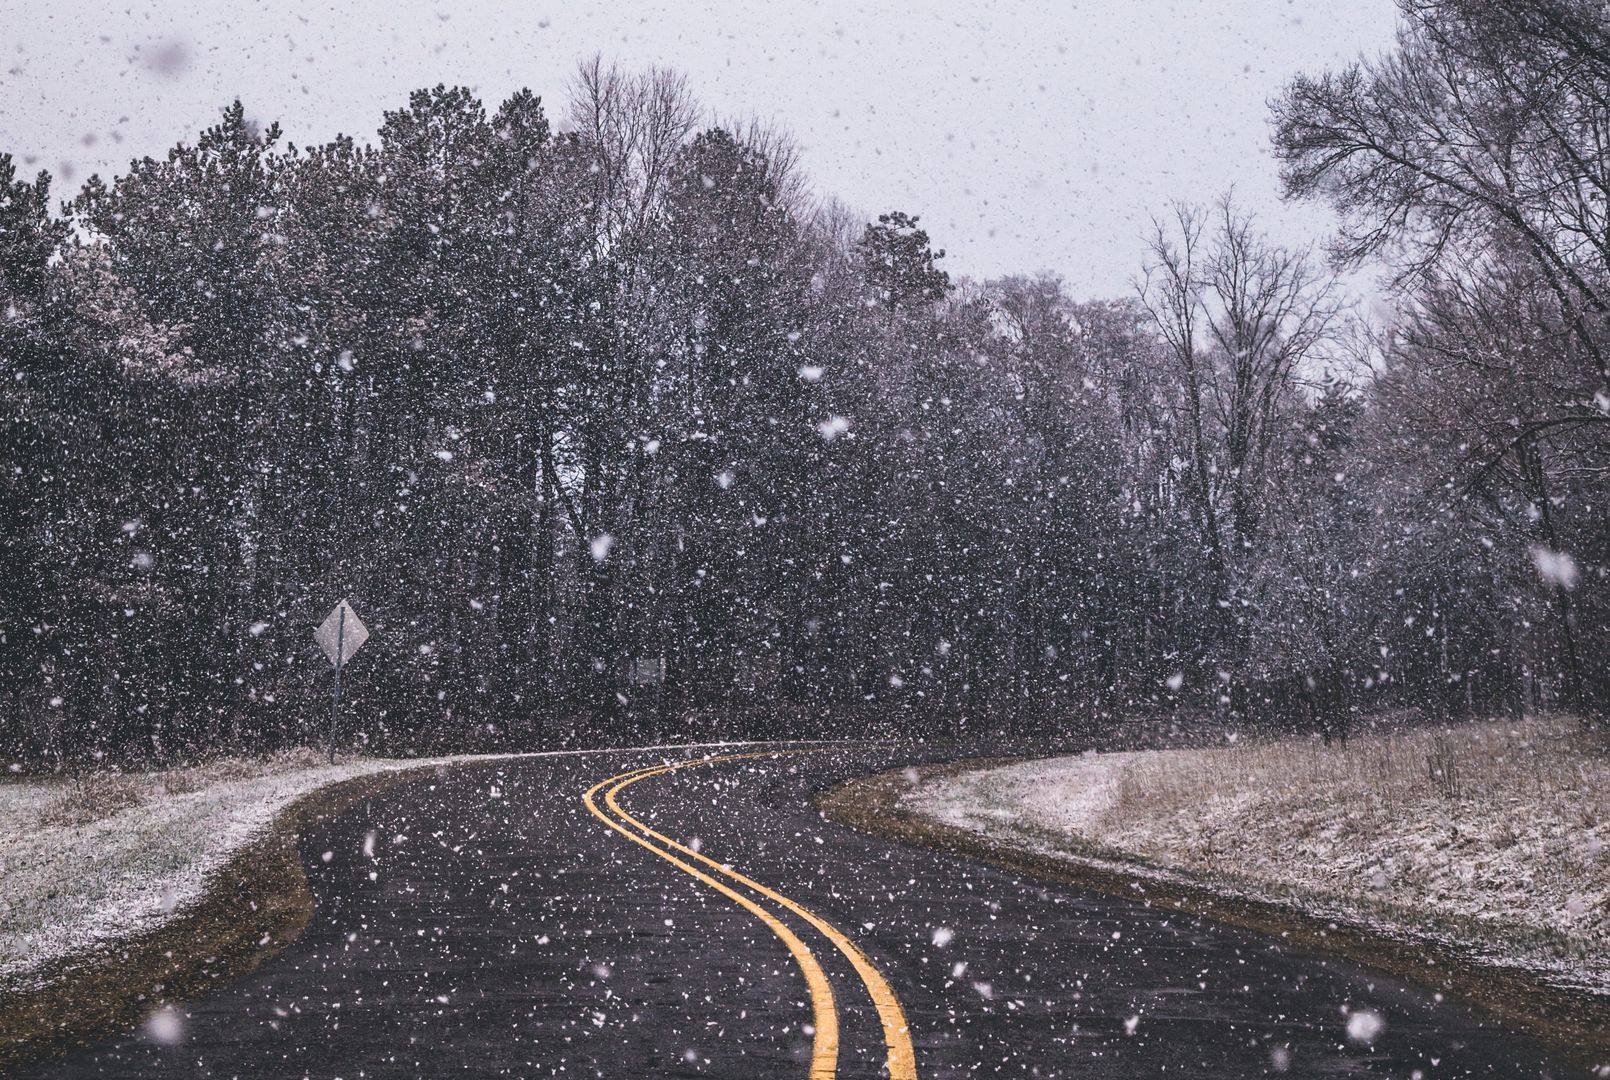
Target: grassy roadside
1575 1023
253 906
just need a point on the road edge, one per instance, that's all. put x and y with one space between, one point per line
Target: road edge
1575 1025
254 905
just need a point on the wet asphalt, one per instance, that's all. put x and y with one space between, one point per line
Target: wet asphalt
482 923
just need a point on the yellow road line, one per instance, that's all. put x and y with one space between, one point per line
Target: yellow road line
825 1039
901 1060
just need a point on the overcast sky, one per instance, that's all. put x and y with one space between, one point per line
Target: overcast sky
1027 136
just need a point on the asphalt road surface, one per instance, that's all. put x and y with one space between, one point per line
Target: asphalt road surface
527 920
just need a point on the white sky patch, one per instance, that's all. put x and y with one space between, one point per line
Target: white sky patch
1066 126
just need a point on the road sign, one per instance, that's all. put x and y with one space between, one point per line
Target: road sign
341 634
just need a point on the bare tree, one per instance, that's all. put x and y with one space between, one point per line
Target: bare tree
1239 318
1477 157
634 123
1488 127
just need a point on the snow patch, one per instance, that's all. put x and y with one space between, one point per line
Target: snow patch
1490 839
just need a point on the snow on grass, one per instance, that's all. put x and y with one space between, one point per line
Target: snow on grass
89 861
1491 837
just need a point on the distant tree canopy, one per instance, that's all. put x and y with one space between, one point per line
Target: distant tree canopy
618 434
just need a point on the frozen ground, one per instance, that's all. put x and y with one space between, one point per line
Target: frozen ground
1490 837
84 862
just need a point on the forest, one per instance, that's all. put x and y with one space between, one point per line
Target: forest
615 430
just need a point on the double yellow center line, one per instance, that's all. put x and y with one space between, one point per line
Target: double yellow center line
901 1060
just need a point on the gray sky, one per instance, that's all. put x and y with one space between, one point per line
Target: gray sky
1027 136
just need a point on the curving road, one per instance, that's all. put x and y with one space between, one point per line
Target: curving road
632 915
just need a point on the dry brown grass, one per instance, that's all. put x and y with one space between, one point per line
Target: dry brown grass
92 797
1496 832
1471 764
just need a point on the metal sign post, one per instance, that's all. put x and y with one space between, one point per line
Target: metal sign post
339 643
335 696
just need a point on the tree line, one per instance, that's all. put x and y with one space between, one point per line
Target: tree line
614 430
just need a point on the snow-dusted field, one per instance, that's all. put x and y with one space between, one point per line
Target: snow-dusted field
1492 837
85 862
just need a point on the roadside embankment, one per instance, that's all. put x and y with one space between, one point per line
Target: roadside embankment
1475 859
125 891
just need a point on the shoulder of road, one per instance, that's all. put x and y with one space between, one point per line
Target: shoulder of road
1011 814
128 889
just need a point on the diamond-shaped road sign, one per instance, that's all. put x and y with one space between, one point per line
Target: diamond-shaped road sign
344 625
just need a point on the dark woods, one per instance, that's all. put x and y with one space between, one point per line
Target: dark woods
616 433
